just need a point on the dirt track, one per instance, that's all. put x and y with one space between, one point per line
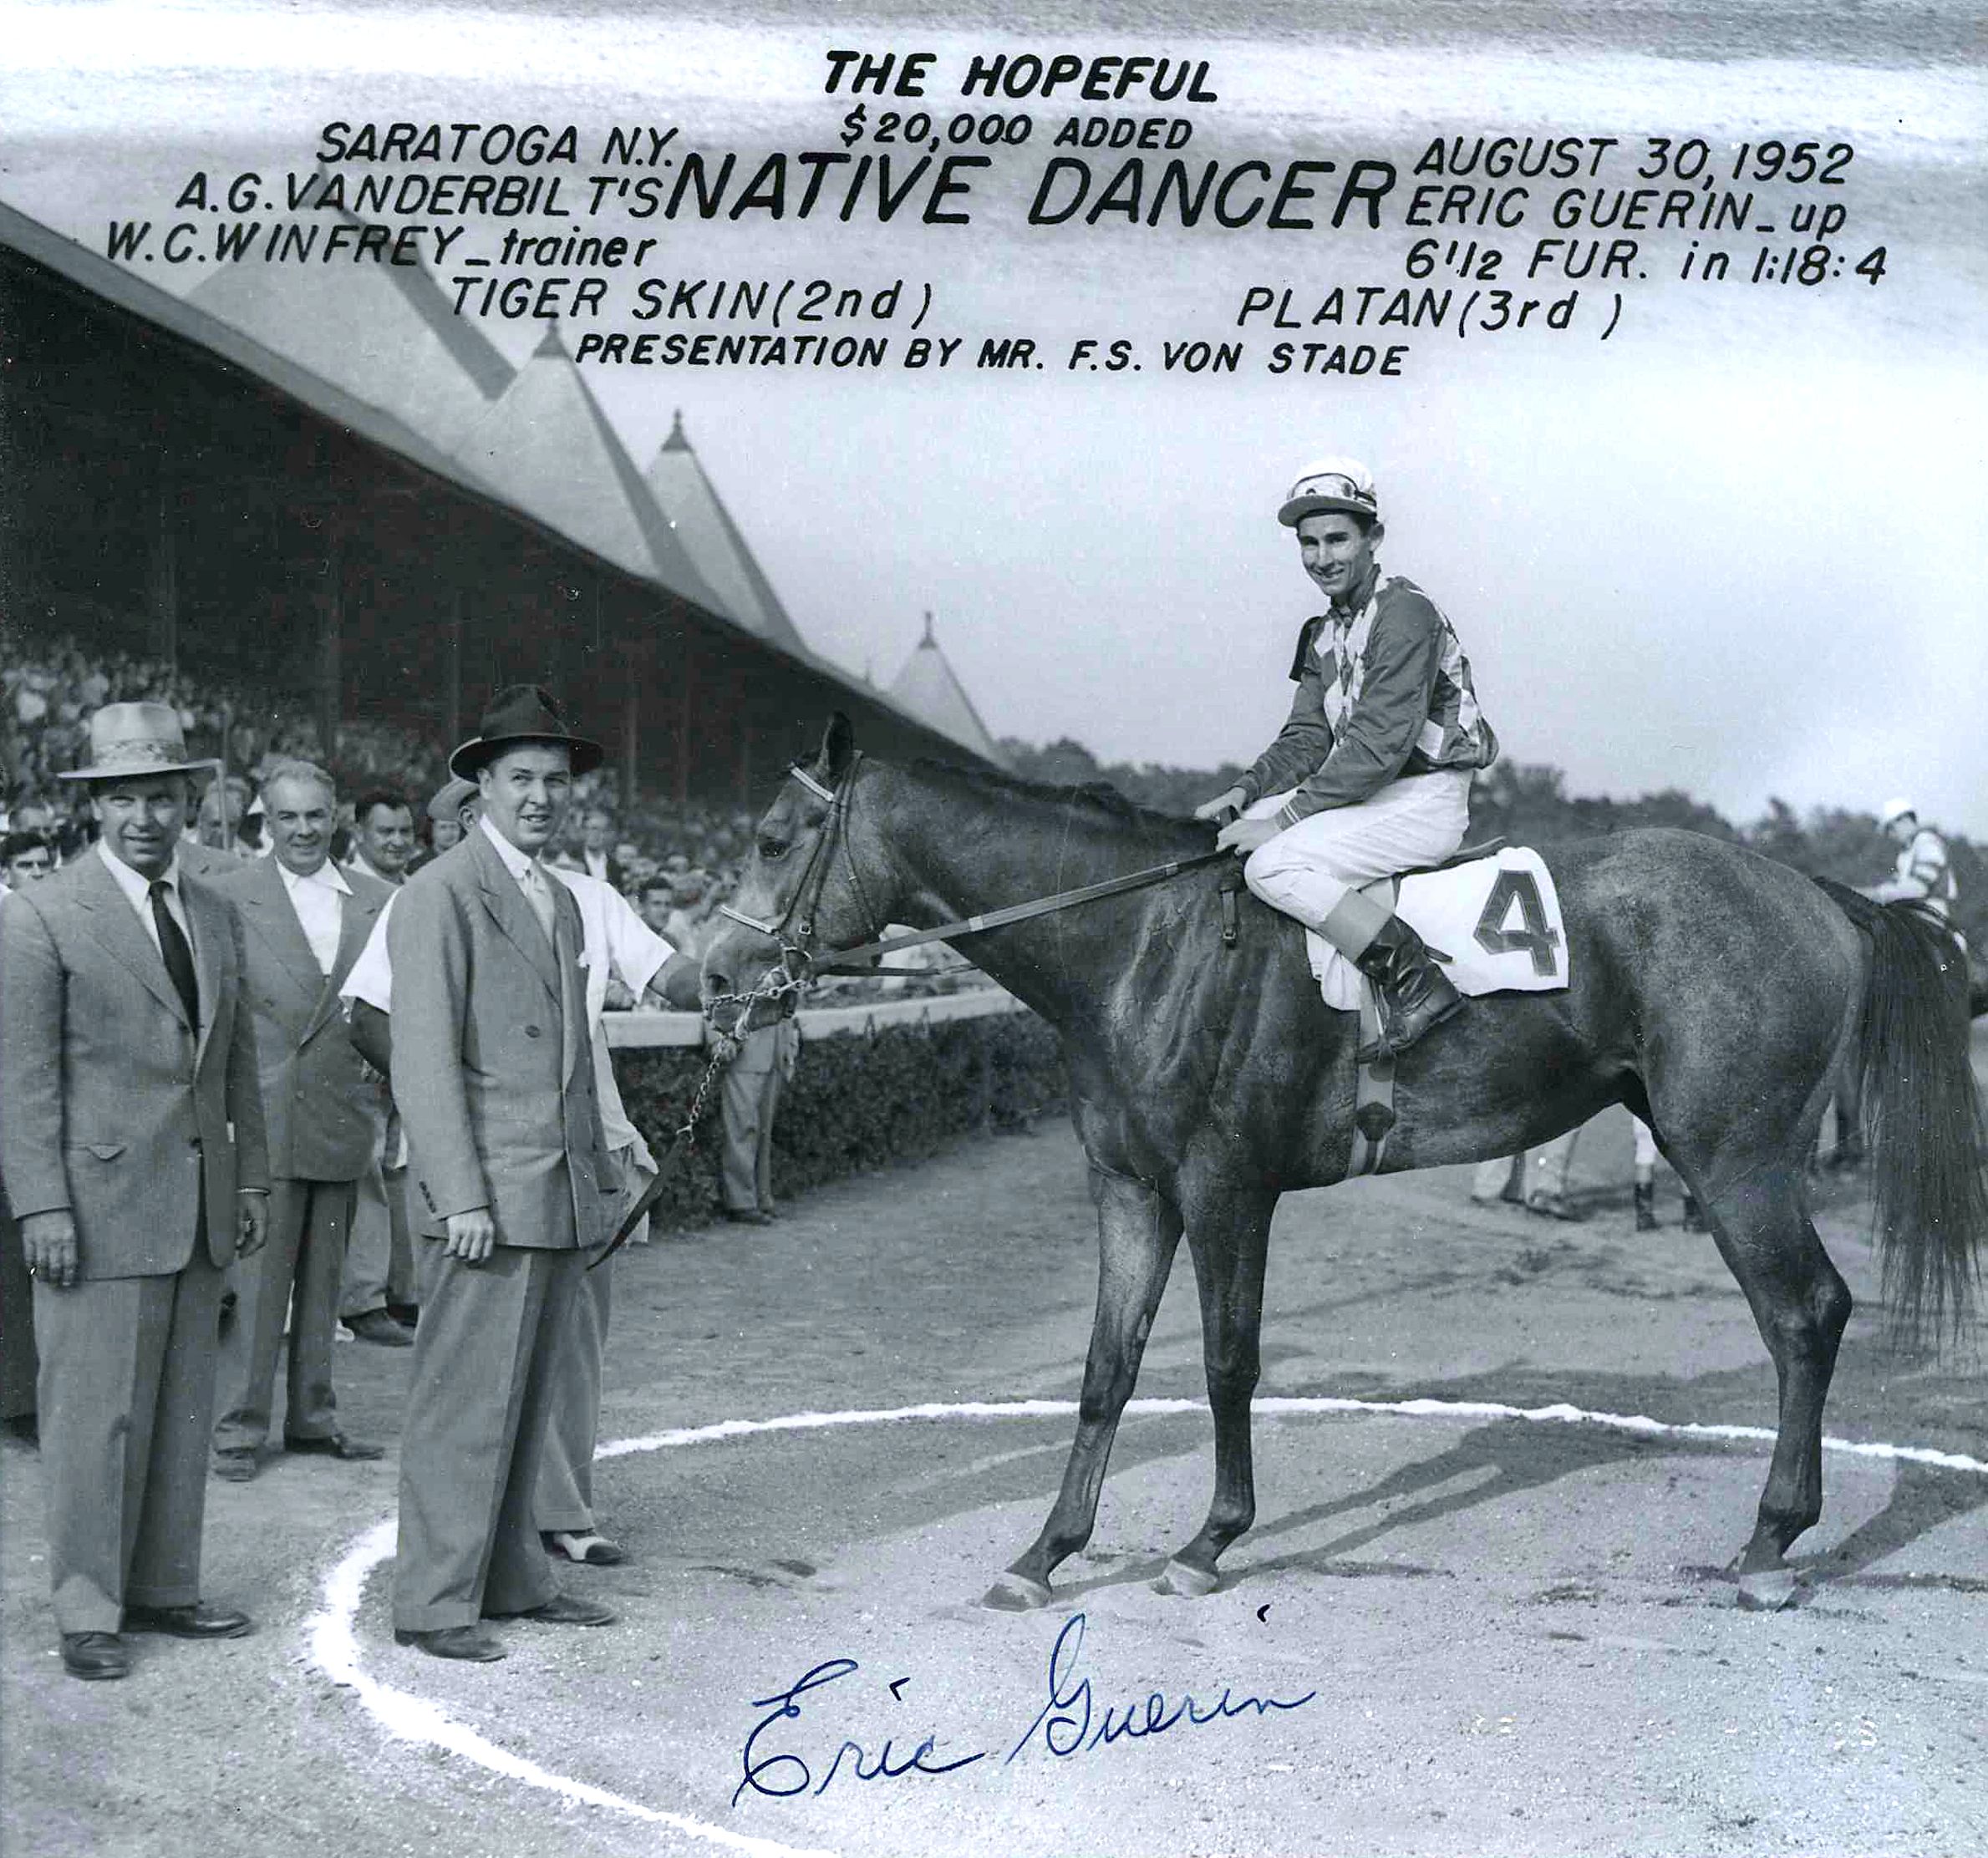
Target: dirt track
1516 1632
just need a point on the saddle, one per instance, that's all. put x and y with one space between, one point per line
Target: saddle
1231 884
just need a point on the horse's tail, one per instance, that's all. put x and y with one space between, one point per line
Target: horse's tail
1928 1143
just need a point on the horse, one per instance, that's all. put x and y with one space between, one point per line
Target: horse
1711 991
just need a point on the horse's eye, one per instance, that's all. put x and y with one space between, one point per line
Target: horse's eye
772 850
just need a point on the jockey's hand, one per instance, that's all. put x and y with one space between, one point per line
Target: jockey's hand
1230 803
1244 836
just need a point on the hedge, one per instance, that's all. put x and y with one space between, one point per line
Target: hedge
857 1102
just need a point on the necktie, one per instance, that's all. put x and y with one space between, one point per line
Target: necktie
538 893
178 956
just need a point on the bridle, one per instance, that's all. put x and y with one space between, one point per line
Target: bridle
799 961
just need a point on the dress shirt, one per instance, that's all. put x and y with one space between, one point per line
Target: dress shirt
315 899
358 862
596 864
138 890
530 880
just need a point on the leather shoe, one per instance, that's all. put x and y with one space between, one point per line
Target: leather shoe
95 1655
237 1464
567 1609
377 1325
469 1643
748 1215
198 1621
586 1549
1554 1206
407 1315
352 1451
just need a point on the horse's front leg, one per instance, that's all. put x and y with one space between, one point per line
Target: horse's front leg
1228 1238
1137 1233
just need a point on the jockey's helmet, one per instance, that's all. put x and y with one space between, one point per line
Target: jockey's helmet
1898 808
1331 484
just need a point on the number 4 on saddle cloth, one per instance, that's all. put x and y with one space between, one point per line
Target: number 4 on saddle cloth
1495 924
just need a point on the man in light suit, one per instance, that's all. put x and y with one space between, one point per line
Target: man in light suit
493 1074
131 1140
304 923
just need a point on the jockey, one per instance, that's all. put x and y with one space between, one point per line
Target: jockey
1371 774
1924 873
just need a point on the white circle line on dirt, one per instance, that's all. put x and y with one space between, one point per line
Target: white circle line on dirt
332 1634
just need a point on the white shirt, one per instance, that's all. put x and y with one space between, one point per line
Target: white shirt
319 912
138 888
596 864
613 936
358 862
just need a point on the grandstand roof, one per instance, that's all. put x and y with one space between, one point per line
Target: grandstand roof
387 336
692 508
546 446
929 688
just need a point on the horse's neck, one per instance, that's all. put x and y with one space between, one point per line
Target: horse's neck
957 850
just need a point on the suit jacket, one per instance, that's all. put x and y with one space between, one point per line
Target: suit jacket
320 1105
493 1070
111 1105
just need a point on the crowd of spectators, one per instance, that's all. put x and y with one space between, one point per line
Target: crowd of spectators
676 861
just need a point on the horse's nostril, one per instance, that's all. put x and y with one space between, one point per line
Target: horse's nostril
717 982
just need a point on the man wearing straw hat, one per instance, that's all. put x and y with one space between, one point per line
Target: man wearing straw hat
513 1179
132 1143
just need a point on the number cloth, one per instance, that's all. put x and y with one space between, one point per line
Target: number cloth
1497 918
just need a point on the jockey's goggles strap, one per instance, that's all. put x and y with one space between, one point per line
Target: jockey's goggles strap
866 951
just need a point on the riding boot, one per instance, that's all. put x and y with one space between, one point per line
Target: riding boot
1415 993
1646 1196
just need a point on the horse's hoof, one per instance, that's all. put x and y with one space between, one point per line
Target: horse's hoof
1190 1583
1016 1593
1768 1590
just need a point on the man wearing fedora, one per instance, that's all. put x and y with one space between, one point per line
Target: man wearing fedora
132 1144
513 1179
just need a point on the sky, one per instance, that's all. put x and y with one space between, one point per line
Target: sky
1735 547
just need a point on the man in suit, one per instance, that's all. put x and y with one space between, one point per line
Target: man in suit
377 1297
304 923
131 1140
493 1075
596 848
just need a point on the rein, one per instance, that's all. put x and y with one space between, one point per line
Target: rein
800 964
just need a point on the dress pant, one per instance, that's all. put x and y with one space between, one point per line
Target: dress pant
565 1498
485 1364
295 1272
1543 1170
380 1264
751 1094
127 1413
19 1363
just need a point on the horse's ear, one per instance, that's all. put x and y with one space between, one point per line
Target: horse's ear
838 745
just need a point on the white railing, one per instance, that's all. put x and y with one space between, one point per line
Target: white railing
638 1031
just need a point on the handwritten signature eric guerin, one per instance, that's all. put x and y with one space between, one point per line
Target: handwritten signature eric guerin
1071 1722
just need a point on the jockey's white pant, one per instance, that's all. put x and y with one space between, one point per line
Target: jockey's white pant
1308 868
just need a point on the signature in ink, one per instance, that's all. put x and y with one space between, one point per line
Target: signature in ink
1073 1723
782 1773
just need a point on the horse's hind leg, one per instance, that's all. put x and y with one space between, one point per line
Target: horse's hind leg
1800 1304
1138 1234
1228 1239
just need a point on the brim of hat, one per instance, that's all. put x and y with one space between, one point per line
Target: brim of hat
208 767
1298 508
473 754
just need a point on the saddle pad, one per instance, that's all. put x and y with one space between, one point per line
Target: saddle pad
1497 918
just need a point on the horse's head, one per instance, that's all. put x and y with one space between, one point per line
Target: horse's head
797 896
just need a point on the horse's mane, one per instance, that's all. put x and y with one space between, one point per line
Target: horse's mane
1102 802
